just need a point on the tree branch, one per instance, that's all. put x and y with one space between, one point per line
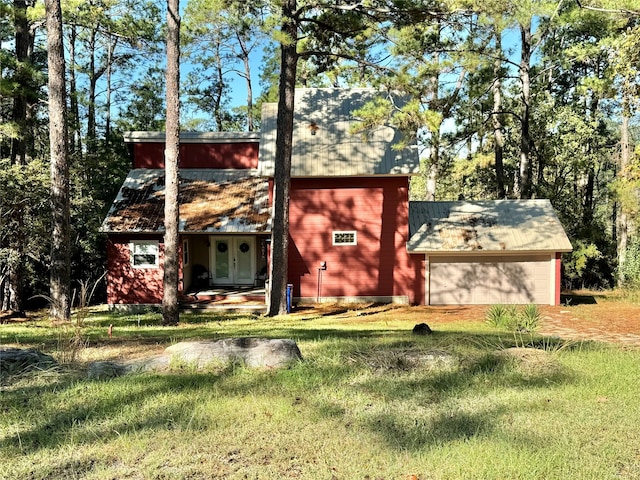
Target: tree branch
608 10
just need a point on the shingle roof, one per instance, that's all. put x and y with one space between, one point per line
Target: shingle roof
216 201
323 143
487 226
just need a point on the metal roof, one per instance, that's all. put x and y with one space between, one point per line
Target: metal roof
500 226
324 143
216 201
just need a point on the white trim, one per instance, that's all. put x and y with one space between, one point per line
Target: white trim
427 280
344 232
186 253
394 299
553 281
480 253
193 137
133 253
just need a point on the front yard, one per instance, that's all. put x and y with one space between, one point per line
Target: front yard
364 403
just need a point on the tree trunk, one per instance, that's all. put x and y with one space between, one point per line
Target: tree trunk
497 119
107 102
247 76
93 81
433 169
19 113
74 113
523 182
218 91
170 309
623 221
282 174
60 237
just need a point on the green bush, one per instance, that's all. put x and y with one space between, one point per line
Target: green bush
513 319
629 272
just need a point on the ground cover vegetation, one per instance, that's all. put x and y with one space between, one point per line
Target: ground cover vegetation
369 400
537 99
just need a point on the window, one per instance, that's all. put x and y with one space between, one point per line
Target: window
345 238
144 253
185 253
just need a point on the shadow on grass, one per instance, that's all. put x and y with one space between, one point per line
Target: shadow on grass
87 412
102 410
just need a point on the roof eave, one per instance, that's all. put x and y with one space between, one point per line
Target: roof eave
485 252
193 137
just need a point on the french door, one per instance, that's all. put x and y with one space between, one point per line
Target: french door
233 260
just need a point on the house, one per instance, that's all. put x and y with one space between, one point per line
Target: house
354 234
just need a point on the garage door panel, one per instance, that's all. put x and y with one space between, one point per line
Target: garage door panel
489 281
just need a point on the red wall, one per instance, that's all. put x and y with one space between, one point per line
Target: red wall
128 285
199 155
379 265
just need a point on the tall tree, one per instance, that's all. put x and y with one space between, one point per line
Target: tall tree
335 29
221 40
282 174
23 77
60 205
170 307
496 117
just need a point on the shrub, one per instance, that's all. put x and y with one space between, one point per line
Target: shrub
529 318
514 320
497 316
629 272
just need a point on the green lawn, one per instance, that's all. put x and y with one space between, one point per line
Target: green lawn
357 407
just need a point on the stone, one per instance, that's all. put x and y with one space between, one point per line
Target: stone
18 360
102 370
422 329
252 352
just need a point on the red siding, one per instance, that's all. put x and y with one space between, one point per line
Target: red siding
128 285
379 265
199 155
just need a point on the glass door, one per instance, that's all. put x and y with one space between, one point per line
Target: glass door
221 259
244 260
233 260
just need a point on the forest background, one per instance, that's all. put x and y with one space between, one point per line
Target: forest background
507 99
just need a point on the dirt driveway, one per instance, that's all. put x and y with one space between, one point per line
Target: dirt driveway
602 317
597 316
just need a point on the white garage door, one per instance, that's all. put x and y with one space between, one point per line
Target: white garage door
490 280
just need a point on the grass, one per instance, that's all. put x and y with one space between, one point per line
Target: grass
360 406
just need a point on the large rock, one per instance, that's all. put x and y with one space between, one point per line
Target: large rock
17 360
252 352
107 369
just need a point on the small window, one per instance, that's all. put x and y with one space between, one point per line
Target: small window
185 253
345 238
144 253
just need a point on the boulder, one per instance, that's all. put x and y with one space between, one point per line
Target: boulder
102 370
18 360
422 329
252 352
106 369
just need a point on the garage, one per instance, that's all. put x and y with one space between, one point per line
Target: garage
491 280
489 252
